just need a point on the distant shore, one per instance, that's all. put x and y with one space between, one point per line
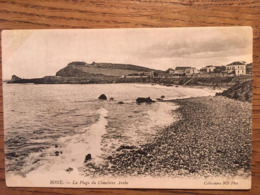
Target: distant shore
212 138
218 81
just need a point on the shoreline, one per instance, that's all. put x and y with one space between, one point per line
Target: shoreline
219 88
141 83
216 81
212 138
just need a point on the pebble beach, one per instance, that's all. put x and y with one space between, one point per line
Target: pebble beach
211 138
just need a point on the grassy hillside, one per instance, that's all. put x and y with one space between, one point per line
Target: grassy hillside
82 69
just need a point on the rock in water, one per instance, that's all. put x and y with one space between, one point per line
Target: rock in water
102 97
15 78
144 100
69 169
87 158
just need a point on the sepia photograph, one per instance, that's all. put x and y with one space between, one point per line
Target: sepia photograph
164 108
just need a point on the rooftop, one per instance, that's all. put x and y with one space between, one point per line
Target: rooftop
237 63
182 68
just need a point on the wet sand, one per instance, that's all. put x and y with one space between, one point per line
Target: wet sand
211 138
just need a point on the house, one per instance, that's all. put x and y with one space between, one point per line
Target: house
207 69
210 68
191 71
140 75
151 74
237 68
184 70
203 70
170 71
180 71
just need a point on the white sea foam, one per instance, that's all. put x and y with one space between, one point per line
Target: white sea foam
73 149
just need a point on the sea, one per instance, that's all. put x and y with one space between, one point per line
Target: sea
51 128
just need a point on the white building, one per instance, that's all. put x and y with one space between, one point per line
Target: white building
210 68
191 71
238 68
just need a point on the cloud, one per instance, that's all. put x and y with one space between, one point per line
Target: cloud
206 43
36 53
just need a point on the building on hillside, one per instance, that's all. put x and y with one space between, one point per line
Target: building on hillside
150 74
180 71
170 71
237 68
203 70
140 75
207 69
210 68
191 71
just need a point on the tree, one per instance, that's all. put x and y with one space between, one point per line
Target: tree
169 70
155 74
220 69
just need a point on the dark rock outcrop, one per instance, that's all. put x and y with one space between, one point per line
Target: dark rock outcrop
69 169
240 91
140 100
102 97
87 158
72 70
121 102
15 78
11 155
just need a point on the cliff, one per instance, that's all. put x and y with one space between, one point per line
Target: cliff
82 69
84 73
241 91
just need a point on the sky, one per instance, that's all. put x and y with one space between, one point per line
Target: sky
38 53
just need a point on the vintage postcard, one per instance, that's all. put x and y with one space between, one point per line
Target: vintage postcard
166 108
